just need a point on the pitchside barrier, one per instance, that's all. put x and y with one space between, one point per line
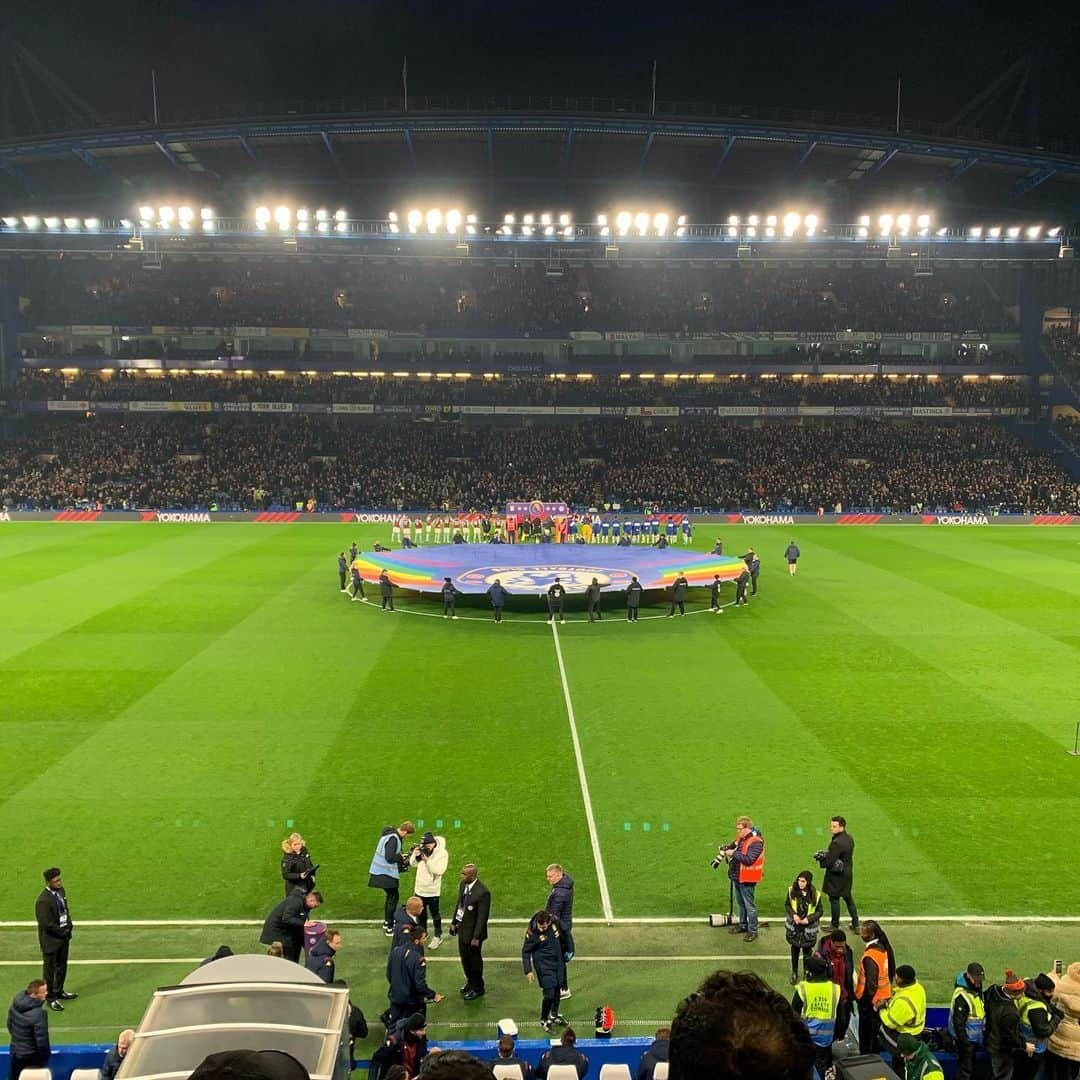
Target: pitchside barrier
600 1052
383 517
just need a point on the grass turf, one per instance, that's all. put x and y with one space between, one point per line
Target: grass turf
178 698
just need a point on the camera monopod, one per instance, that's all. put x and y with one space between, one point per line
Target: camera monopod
729 918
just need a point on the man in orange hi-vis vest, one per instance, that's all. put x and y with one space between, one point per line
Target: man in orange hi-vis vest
745 857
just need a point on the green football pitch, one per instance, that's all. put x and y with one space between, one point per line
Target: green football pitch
177 698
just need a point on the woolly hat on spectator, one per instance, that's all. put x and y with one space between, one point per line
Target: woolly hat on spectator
1013 984
907 1044
250 1065
1043 982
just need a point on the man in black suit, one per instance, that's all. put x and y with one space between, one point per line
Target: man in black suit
54 937
678 595
286 922
470 927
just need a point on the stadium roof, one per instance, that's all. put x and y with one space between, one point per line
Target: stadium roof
580 154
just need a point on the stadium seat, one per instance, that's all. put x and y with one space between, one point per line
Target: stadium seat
561 1072
38 1074
506 1072
85 1074
660 1072
611 1071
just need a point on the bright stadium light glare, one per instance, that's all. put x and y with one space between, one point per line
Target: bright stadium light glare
209 225
733 219
1033 232
770 231
601 219
31 221
125 223
323 226
923 221
680 225
549 230
791 223
453 221
322 215
262 216
146 212
605 230
885 223
305 215
771 220
641 222
943 231
1013 232
975 232
414 218
564 220
52 222
545 219
342 226
1054 232
71 223
10 222
994 232
186 216
340 215
863 231
903 222
733 231
528 219
660 224
568 231
753 219
509 219
864 221
811 223
166 215
206 213
751 231
622 222
527 230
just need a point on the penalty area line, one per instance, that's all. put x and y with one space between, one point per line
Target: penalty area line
594 839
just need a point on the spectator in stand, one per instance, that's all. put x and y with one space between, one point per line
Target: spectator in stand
654 1055
28 1027
506 1054
566 1053
114 1056
735 1027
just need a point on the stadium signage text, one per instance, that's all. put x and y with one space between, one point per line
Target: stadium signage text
374 519
182 517
767 519
958 519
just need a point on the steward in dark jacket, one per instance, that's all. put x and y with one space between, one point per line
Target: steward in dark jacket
406 972
543 955
386 590
633 599
28 1027
286 922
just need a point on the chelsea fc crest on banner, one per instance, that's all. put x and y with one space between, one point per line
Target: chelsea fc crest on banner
527 579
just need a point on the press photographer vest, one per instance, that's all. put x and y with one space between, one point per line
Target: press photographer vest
752 873
381 866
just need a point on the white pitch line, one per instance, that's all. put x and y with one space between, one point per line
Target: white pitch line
430 959
594 839
660 920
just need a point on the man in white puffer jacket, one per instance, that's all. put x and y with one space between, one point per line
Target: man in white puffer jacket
430 858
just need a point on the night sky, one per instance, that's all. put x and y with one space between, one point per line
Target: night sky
838 56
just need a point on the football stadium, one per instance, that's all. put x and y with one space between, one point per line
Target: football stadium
742 443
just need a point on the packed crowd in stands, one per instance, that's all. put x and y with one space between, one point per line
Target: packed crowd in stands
1068 427
525 390
409 295
253 462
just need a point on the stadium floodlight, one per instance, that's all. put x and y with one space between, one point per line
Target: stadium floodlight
303 215
864 221
923 221
71 223
605 230
641 222
733 219
185 215
470 224
564 220
680 225
601 219
943 231
52 222
885 223
771 220
660 223
811 222
1033 232
322 215
622 222
146 212
11 222
1013 232
340 215
283 217
262 217
568 231
528 219
903 223
994 232
342 226
770 231
166 215
393 219
453 221
863 231
322 226
31 221
751 231
545 219
1054 232
549 230
791 223
975 232
733 231
125 223
414 218
206 213
509 219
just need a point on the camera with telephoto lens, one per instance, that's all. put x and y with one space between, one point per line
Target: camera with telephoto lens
722 856
820 857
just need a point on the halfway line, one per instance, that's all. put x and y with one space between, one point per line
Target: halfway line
598 859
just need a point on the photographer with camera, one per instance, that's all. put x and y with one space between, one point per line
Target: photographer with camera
745 858
839 873
430 858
